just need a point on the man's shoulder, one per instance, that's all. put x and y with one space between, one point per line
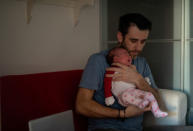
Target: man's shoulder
101 53
99 56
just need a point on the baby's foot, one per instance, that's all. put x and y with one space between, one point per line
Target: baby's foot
160 113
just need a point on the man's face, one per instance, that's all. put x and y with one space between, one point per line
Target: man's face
135 40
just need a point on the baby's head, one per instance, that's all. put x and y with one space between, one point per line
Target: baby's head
119 55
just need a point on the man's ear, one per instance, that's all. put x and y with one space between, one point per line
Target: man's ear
119 37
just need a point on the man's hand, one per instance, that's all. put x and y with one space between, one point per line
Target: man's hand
132 110
125 73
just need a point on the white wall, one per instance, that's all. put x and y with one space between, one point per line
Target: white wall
50 42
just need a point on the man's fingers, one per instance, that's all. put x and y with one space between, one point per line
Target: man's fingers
133 67
141 96
148 107
115 69
109 75
120 65
115 77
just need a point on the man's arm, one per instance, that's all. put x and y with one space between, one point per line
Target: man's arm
143 85
85 105
130 75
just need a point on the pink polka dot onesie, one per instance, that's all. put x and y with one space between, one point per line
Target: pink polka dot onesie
126 94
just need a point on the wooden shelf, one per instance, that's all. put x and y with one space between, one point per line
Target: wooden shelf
75 4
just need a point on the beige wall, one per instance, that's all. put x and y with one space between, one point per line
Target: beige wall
50 42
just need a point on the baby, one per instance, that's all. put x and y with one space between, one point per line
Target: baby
126 93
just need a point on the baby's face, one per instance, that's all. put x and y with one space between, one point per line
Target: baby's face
122 56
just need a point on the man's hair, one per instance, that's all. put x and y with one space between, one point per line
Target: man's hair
128 20
111 55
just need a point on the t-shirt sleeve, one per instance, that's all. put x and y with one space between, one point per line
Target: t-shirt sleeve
147 73
92 73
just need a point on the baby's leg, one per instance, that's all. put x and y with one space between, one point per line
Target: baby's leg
155 107
129 97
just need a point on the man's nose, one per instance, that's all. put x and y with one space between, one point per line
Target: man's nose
138 46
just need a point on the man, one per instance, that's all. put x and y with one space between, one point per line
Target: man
133 32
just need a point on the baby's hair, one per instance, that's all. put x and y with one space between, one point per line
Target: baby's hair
111 55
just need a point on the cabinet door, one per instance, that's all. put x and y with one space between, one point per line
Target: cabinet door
164 45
